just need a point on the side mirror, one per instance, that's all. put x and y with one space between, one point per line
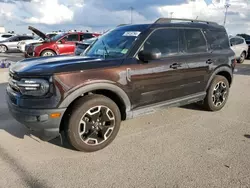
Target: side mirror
146 56
231 44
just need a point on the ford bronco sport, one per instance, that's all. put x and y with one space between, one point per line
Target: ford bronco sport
129 71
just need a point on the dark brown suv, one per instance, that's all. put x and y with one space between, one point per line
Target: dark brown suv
129 71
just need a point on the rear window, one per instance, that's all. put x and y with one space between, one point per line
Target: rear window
217 39
248 41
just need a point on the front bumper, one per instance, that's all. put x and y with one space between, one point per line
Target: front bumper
36 119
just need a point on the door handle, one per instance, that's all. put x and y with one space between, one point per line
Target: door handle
175 65
209 61
128 74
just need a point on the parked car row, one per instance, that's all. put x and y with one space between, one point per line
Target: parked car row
11 42
61 44
47 44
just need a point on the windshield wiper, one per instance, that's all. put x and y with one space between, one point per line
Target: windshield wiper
105 47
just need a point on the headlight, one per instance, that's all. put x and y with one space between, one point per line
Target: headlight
33 87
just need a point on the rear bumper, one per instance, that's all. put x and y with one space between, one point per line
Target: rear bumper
36 119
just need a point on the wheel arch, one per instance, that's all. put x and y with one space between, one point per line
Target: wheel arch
222 71
5 46
109 90
49 49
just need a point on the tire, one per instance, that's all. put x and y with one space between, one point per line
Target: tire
48 53
211 97
242 57
77 133
3 49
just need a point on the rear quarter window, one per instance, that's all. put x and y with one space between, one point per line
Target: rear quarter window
217 39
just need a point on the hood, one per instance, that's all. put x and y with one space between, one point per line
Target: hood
29 41
58 64
39 33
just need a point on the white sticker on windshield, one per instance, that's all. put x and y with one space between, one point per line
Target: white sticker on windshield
131 33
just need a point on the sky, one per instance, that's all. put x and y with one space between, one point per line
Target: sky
101 15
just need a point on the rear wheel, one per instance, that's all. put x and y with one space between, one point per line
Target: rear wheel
3 49
93 124
48 53
217 94
242 57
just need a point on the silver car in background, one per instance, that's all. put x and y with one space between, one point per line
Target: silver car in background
11 43
4 36
240 48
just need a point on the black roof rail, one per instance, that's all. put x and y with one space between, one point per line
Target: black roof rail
169 20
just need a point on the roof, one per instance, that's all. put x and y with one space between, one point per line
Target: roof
173 22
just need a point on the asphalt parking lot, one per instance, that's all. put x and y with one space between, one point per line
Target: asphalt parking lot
176 147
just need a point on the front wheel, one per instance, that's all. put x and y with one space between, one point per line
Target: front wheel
217 94
48 53
93 124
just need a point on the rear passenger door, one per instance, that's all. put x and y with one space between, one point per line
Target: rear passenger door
198 59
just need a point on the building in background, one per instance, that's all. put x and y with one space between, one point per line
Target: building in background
2 29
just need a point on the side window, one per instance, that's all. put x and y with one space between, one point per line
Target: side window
15 39
233 41
6 36
21 38
195 41
217 39
238 41
88 36
165 40
72 37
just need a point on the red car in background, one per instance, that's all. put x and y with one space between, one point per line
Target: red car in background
61 44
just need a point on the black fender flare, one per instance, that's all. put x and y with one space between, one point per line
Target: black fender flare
216 71
95 86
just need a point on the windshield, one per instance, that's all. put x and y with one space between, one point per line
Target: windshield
114 44
57 37
37 38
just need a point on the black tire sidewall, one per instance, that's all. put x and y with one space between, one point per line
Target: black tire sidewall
82 106
209 101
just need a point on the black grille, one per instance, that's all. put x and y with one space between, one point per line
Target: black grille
12 81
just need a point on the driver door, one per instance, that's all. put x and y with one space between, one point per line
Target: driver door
67 44
162 79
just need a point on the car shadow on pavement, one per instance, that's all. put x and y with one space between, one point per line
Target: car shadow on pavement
14 128
26 177
246 135
193 106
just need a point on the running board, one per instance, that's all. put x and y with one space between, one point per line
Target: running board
149 109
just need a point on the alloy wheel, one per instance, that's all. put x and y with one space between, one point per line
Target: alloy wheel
48 54
219 94
96 125
3 49
242 57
